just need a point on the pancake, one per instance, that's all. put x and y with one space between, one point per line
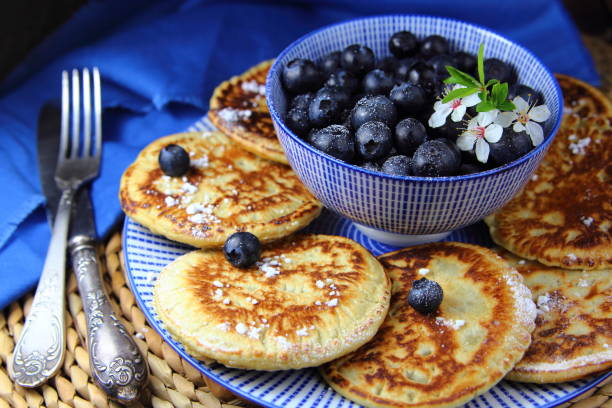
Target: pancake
226 190
311 299
238 108
573 334
563 216
481 329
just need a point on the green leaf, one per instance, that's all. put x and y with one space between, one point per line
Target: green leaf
484 107
506 106
459 93
484 97
460 77
499 92
481 63
492 82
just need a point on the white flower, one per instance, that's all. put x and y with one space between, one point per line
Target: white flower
525 118
456 108
480 130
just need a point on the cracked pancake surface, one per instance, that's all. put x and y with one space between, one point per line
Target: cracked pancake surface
310 299
238 108
573 334
481 329
226 190
563 215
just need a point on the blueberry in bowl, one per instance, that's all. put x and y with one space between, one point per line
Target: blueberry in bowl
455 158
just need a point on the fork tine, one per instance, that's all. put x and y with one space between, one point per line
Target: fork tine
76 113
63 149
86 113
98 110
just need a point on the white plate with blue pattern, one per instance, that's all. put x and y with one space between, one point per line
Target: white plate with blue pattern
146 254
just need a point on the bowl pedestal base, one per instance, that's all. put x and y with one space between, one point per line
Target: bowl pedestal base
400 240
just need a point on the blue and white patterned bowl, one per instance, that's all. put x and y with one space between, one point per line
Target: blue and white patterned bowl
405 210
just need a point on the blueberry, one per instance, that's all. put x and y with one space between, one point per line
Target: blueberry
408 98
409 134
425 296
402 69
297 120
497 69
371 166
397 165
242 249
470 168
465 62
531 96
344 80
373 140
436 158
173 160
377 82
357 59
434 45
340 95
300 76
335 140
510 147
301 101
424 75
330 63
374 108
388 64
439 63
403 44
323 110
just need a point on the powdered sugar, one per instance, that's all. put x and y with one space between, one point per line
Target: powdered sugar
423 271
302 332
253 87
170 201
201 162
217 284
453 324
271 266
234 115
580 146
333 302
241 328
587 220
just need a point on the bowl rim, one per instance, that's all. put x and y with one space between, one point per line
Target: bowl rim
501 169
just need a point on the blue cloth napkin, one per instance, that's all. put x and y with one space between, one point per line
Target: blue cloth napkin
160 62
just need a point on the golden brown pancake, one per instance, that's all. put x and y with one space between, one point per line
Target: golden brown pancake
563 216
226 190
238 108
573 334
480 331
311 299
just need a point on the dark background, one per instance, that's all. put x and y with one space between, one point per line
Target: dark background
25 23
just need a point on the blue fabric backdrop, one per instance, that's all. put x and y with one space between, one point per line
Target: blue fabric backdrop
160 62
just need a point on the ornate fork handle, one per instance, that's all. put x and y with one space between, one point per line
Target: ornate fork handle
117 365
39 352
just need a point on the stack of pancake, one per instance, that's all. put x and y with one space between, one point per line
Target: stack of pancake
325 301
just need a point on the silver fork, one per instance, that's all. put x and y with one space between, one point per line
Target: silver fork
39 352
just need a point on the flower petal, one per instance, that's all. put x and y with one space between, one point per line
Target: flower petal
458 113
521 104
518 127
535 132
493 133
466 140
471 100
486 118
505 119
473 123
482 150
539 113
438 118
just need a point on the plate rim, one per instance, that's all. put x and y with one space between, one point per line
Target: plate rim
243 394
